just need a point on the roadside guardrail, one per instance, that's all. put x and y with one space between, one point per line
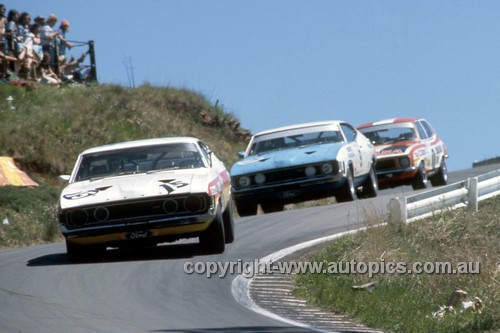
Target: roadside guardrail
466 193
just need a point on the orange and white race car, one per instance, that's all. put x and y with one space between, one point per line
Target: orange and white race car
409 152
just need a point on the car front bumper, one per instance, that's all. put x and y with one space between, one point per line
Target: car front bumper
153 230
396 175
292 191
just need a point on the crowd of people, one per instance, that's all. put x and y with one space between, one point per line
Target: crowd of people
35 50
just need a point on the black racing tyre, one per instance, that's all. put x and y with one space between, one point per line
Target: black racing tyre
370 185
272 207
212 240
77 252
246 208
420 181
441 177
228 219
347 192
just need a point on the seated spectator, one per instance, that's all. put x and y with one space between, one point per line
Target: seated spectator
46 74
71 70
63 43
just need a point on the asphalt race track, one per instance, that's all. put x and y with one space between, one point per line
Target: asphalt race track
149 291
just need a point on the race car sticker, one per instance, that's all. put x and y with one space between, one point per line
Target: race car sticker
170 185
85 194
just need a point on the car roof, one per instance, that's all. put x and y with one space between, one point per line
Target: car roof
298 126
390 121
139 143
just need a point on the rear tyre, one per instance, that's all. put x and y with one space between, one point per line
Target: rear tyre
441 178
228 219
212 240
370 185
246 208
271 207
347 192
420 181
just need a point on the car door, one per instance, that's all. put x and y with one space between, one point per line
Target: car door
353 148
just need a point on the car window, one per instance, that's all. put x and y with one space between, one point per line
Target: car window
139 160
295 138
428 128
421 131
349 132
390 133
204 150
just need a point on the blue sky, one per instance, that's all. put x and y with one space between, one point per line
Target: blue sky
273 63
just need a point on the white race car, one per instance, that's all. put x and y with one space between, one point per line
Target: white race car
146 192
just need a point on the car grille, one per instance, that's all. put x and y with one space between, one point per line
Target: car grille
289 174
386 164
138 211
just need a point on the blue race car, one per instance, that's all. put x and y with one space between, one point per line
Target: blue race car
303 162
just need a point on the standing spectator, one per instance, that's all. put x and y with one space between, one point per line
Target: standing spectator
31 58
11 31
48 36
63 42
23 27
39 20
3 24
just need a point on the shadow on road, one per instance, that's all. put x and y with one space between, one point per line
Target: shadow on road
162 252
250 329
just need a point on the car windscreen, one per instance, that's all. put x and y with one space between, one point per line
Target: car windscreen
294 138
390 133
139 160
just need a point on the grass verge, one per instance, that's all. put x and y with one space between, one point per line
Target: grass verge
28 215
405 302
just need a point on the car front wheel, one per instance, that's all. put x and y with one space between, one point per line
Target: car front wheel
370 185
441 177
228 219
347 192
246 208
212 240
77 252
420 180
271 207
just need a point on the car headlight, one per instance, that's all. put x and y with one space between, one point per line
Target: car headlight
404 162
327 168
260 179
244 181
310 171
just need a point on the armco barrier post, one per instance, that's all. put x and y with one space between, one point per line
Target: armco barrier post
397 210
472 194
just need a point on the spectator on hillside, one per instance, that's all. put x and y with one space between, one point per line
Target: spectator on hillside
40 21
48 35
71 70
23 26
63 43
3 25
29 55
11 31
46 74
